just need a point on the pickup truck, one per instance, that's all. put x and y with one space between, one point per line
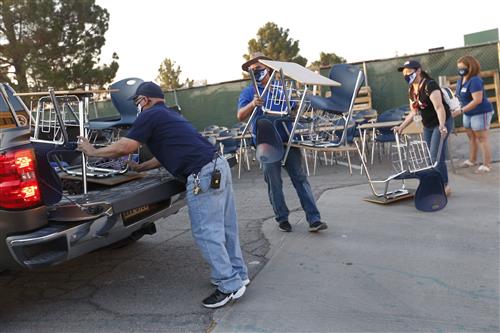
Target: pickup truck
43 223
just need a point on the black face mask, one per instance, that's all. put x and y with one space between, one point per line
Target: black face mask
463 71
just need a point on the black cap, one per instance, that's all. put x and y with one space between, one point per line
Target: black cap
148 89
410 64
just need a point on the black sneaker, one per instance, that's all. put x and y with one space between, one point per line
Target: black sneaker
217 299
285 226
317 226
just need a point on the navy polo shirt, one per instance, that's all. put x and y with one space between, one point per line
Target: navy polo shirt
246 96
464 93
174 142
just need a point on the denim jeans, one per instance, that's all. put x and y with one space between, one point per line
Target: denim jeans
432 137
295 169
214 226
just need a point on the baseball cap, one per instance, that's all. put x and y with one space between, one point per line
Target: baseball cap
148 89
410 64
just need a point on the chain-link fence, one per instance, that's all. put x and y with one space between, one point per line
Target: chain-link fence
389 90
217 104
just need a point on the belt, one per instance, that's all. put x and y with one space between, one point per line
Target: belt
197 170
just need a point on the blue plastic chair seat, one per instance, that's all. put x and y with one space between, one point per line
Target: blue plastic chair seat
385 137
327 104
430 195
269 143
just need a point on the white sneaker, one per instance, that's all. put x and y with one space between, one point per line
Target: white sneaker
482 169
467 164
238 293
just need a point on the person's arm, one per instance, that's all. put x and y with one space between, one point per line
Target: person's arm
148 165
437 101
408 119
477 98
122 147
246 111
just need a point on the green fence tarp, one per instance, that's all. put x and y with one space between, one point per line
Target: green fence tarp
217 103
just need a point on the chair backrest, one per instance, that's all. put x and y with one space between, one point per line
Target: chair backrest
351 78
347 76
391 115
211 129
126 108
224 133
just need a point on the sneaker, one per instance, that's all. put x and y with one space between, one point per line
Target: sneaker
317 226
238 293
467 164
246 282
218 298
285 226
482 169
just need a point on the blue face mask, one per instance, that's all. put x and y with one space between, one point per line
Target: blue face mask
260 74
411 77
463 71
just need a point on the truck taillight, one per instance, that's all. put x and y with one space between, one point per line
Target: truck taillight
18 183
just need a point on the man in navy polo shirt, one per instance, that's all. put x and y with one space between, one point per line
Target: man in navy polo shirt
178 147
249 101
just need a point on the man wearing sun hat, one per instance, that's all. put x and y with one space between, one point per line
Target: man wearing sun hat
178 147
250 100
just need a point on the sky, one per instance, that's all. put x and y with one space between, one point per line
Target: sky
208 39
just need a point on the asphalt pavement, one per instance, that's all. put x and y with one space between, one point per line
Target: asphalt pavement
382 268
376 268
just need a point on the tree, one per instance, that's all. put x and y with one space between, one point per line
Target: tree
168 76
53 43
274 42
327 59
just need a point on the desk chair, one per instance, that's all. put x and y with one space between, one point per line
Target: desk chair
126 108
342 98
386 134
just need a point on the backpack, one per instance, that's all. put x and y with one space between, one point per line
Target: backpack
448 97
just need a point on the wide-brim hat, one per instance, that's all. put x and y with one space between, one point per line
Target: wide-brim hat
254 57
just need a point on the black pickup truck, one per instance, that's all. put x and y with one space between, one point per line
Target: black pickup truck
43 224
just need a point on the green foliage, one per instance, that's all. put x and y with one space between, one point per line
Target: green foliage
168 76
326 60
53 43
274 42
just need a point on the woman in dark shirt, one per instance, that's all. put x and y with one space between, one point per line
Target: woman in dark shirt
427 106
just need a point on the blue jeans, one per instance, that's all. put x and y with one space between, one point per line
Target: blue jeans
295 169
214 226
432 137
